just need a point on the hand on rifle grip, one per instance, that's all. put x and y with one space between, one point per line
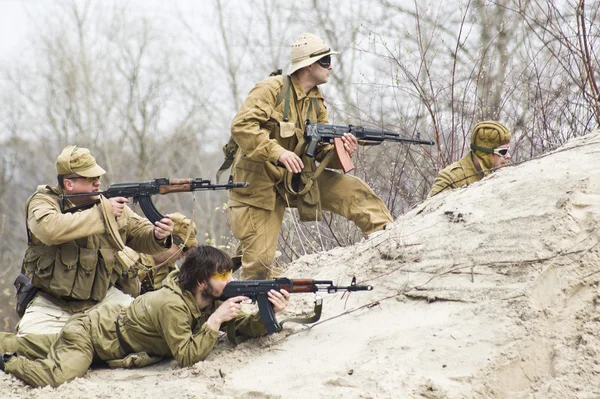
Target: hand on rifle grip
163 228
118 204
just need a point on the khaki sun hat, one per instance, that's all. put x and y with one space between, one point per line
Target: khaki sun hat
308 49
76 160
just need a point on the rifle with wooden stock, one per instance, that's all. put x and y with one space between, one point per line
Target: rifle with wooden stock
141 192
257 291
315 133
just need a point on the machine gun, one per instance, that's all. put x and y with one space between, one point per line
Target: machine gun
141 191
257 291
315 133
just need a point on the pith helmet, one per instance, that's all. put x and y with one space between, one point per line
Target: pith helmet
486 136
76 160
308 49
181 224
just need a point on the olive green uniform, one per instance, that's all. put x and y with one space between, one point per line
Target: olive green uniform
459 174
72 257
165 323
256 212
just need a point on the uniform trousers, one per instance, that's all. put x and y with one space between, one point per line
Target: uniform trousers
258 229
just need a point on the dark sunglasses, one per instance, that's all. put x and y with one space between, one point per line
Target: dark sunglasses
501 152
325 62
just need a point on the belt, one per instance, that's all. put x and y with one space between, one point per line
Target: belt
126 347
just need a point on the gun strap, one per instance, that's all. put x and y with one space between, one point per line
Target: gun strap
236 340
110 223
307 320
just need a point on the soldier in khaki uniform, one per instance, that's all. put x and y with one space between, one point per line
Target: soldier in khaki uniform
180 320
72 255
489 151
155 268
268 131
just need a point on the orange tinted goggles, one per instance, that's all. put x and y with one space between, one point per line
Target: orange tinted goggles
222 276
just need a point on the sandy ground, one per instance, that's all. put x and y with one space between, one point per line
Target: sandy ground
485 292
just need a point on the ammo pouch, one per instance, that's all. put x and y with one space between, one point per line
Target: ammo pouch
70 271
25 293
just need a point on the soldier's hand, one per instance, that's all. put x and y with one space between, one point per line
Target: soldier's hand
280 300
350 143
118 204
227 311
163 228
291 161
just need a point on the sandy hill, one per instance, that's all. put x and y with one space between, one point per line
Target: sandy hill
485 292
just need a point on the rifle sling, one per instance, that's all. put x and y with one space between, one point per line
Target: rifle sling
236 340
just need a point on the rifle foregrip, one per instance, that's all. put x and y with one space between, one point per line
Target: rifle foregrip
175 188
265 308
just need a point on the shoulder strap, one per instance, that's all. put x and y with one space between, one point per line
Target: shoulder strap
231 147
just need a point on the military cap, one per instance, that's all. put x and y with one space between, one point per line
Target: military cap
79 161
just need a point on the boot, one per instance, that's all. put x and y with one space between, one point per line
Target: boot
4 358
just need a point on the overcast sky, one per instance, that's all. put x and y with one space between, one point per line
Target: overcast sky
20 18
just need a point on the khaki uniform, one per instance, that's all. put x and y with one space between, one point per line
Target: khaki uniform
256 212
151 276
71 256
459 174
165 323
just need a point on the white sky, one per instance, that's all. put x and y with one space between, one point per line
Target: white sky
18 18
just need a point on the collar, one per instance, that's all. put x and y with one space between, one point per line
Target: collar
313 93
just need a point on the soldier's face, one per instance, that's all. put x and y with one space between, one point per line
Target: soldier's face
216 285
320 73
79 185
499 159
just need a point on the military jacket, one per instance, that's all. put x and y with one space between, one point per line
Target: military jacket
69 254
167 323
262 139
458 174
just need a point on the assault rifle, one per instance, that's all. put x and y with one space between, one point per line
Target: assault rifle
257 291
315 133
141 191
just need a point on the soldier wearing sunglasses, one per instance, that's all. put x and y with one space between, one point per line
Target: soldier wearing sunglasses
72 258
267 150
489 151
181 320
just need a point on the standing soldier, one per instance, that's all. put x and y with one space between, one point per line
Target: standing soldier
71 256
489 151
268 144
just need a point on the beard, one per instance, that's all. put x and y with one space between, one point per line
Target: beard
209 293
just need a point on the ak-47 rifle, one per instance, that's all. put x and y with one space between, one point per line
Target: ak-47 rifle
257 291
141 192
315 133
